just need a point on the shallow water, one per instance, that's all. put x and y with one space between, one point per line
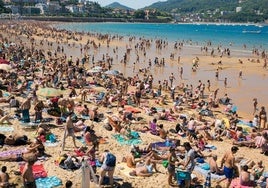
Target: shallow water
242 91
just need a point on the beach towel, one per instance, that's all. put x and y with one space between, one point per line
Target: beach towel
236 184
123 141
51 144
198 169
226 122
125 170
38 170
6 129
12 152
82 140
48 182
210 147
29 124
132 109
162 144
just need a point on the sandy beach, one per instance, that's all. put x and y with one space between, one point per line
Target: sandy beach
57 48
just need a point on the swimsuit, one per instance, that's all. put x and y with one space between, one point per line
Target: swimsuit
228 172
19 157
149 168
30 185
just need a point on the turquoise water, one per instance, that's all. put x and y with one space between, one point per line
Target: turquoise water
234 34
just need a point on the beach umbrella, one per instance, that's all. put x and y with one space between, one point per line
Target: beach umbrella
95 69
112 72
4 61
5 67
50 92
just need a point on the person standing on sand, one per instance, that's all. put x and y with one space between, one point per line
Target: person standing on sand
25 107
263 118
217 74
215 94
189 161
255 105
181 72
171 79
225 82
172 160
240 74
27 175
69 130
208 85
229 165
4 177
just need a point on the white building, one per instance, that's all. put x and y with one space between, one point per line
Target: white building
72 8
238 9
43 7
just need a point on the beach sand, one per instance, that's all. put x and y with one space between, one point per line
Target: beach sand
253 84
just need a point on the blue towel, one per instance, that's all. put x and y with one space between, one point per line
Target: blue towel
48 182
200 170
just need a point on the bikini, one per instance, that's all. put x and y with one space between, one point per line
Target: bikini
149 168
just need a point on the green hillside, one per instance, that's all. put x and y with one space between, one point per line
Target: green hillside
117 5
251 10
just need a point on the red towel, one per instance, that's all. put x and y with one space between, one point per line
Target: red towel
38 170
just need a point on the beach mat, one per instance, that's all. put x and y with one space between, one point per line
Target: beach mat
6 129
125 170
123 141
48 182
38 170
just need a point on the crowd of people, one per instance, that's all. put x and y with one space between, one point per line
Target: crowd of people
36 62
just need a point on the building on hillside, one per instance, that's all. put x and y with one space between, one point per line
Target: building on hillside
43 8
238 9
72 8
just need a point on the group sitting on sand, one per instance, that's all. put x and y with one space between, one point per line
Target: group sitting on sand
61 96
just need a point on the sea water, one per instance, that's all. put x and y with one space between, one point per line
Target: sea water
235 35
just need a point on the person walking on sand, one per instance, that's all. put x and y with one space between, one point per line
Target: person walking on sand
171 79
27 175
69 131
255 105
228 161
225 82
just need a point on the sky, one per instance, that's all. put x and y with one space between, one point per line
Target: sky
136 4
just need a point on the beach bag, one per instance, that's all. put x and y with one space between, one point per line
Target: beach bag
108 127
110 160
52 138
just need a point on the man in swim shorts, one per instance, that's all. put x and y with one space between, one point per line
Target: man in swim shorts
229 164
